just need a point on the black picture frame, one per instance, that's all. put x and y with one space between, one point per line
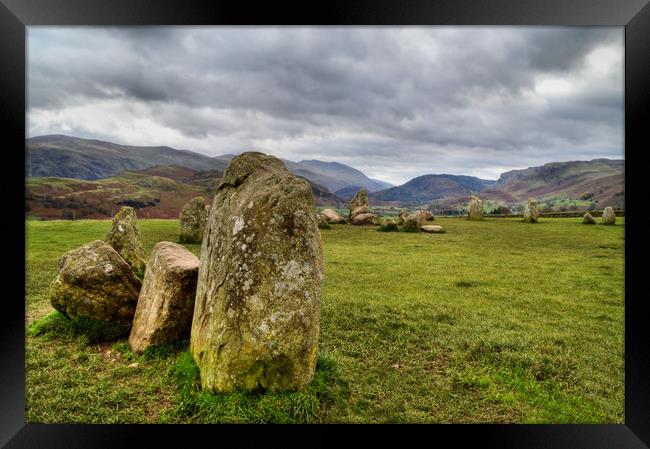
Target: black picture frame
634 15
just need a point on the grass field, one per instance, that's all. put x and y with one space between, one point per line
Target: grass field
495 321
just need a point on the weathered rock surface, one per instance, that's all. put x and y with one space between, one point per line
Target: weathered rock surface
333 216
365 219
360 210
432 229
360 199
475 208
257 311
588 219
411 221
424 215
94 281
609 216
192 220
322 221
402 216
531 213
124 237
166 303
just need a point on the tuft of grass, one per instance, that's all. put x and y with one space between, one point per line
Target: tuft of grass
57 325
310 405
405 229
324 226
388 228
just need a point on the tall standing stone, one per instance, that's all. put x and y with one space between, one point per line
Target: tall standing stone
192 221
93 281
531 213
360 199
257 311
609 216
475 208
166 302
124 237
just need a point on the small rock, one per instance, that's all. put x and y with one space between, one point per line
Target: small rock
588 219
134 365
432 229
333 216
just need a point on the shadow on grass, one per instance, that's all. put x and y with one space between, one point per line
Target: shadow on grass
310 405
57 326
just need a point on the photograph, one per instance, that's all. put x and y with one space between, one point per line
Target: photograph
325 224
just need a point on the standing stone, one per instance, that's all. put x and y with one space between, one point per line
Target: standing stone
475 208
531 213
257 311
193 219
94 281
609 216
365 219
402 216
333 216
588 219
411 222
424 215
389 225
124 237
360 199
166 302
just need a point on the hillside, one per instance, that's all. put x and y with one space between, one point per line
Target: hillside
155 192
71 157
600 182
427 188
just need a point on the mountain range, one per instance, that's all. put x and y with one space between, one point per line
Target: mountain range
92 178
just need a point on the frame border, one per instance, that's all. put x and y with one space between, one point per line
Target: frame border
15 15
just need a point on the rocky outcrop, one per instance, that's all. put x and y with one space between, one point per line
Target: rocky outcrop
192 220
166 302
124 237
94 281
257 311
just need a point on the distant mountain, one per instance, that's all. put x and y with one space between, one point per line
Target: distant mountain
601 181
427 188
73 157
341 176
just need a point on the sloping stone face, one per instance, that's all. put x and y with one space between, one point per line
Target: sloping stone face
609 216
402 216
411 221
365 219
94 281
424 215
166 303
257 311
531 213
192 220
588 219
333 216
124 237
475 208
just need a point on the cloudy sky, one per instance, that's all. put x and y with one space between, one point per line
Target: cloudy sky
394 102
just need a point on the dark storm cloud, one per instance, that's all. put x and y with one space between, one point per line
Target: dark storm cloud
473 97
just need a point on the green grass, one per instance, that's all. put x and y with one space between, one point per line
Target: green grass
494 321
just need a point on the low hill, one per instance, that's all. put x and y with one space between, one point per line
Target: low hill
427 188
155 192
342 176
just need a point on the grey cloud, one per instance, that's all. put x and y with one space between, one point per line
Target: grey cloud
420 92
